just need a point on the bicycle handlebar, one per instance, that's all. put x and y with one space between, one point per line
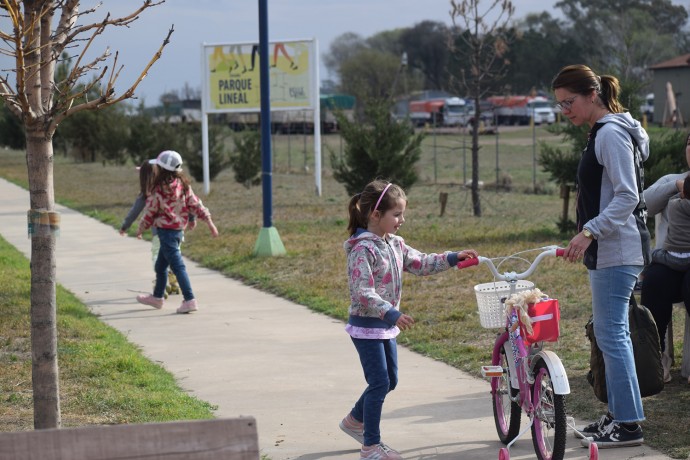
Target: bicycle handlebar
512 276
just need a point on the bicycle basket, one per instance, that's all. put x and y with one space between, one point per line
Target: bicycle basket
489 295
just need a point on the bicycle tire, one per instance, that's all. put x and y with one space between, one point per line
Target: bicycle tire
507 413
549 427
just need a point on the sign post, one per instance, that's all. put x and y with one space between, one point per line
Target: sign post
263 77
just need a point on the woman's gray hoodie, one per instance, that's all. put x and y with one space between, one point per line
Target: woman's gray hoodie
609 193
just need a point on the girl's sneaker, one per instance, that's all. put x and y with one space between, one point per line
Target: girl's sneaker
188 306
379 452
150 300
353 428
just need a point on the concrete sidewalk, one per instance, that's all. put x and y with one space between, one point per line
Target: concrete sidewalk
251 353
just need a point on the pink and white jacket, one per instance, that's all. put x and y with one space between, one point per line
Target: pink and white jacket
375 267
169 207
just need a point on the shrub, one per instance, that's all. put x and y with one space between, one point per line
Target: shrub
376 147
246 160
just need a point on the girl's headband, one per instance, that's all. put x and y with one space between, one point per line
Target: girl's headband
381 197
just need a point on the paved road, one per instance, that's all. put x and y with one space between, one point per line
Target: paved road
251 353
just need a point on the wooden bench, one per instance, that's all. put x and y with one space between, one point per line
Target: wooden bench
217 439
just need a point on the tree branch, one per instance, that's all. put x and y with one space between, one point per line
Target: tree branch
108 95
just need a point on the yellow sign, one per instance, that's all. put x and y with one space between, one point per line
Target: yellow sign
232 76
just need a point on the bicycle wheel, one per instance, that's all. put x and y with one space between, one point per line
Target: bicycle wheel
506 412
549 427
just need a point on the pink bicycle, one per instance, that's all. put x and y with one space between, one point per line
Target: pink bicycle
524 376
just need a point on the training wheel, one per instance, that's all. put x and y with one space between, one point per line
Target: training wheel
503 454
593 451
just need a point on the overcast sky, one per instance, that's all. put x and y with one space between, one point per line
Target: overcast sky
227 21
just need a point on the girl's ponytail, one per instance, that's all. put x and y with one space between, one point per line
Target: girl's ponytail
355 220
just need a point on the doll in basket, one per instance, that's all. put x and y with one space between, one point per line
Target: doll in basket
538 315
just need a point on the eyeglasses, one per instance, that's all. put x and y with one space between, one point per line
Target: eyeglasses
567 104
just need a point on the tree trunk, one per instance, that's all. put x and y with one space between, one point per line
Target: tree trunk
476 203
44 368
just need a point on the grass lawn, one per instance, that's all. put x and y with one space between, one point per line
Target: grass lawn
103 378
313 228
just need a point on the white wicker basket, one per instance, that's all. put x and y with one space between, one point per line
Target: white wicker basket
489 295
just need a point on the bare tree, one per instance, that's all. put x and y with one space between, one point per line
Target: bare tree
481 40
32 94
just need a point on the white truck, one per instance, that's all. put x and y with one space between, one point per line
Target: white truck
519 110
452 111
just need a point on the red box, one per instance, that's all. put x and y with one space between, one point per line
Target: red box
546 317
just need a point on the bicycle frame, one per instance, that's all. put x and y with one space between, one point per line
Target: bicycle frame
527 378
518 350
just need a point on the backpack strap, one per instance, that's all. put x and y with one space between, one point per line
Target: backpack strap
641 209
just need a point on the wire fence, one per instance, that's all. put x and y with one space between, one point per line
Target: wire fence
507 156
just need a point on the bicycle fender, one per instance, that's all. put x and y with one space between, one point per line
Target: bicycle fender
502 342
514 382
558 376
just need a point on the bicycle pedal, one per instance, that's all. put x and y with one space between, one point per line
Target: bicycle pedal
492 371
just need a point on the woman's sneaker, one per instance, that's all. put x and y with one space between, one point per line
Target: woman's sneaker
616 435
379 452
353 428
594 428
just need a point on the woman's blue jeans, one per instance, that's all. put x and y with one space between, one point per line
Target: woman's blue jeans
169 255
379 358
611 291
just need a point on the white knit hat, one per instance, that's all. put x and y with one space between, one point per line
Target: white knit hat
168 159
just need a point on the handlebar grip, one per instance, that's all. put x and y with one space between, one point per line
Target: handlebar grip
468 263
560 252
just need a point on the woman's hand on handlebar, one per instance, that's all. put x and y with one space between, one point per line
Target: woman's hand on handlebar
576 248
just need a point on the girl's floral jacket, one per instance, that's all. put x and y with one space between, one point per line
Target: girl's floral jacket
170 207
375 266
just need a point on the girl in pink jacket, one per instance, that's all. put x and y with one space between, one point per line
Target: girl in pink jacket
168 209
376 259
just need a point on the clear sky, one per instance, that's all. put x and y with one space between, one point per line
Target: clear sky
227 21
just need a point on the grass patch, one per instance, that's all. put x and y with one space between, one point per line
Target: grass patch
313 272
104 379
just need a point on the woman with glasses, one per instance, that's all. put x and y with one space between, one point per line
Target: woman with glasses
613 240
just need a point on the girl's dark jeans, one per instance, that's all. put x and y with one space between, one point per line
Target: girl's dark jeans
379 358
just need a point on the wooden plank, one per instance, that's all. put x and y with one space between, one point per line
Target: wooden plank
218 439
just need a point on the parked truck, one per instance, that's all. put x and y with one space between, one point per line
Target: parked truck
519 110
452 111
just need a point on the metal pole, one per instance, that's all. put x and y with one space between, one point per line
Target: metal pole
304 136
317 121
433 119
498 168
204 124
534 154
267 167
464 157
289 136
